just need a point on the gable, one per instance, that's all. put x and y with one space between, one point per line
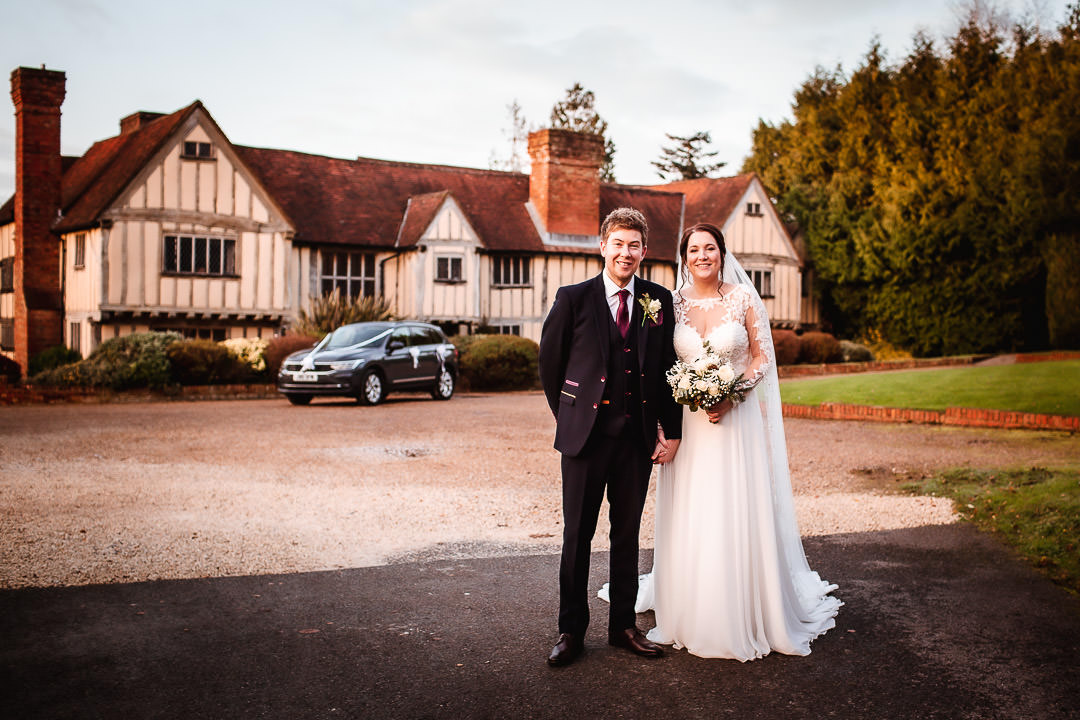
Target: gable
197 176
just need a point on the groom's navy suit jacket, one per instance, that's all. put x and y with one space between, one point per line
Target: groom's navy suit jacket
575 362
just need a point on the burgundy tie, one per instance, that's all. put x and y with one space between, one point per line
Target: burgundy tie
622 317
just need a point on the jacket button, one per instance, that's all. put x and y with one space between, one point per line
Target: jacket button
603 379
594 406
627 372
626 349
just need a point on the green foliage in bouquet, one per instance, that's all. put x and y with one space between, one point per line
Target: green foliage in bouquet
499 362
205 362
138 360
52 357
330 311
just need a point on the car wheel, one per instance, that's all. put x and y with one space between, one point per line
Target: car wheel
444 388
372 388
297 399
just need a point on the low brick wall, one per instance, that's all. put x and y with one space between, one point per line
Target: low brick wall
26 395
1050 357
966 417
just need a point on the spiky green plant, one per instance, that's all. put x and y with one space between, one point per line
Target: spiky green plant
332 310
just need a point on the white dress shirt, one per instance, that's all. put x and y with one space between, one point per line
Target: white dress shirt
612 291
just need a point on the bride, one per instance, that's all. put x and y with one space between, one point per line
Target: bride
729 578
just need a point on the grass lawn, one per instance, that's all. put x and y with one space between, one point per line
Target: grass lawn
1043 387
1037 511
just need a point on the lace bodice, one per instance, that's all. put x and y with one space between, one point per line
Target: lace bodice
732 329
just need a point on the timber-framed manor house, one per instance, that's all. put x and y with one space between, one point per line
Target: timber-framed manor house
170 226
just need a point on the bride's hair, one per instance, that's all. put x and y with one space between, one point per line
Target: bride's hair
685 241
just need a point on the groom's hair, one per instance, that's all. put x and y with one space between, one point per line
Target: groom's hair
625 218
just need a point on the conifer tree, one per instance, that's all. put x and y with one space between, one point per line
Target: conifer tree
687 159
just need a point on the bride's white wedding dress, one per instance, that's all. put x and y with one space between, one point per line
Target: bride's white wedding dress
729 578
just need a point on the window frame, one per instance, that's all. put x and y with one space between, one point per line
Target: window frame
7 334
7 275
189 245
198 153
75 336
452 261
511 271
762 278
753 209
353 284
79 252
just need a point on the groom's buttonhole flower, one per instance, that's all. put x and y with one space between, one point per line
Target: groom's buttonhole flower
650 308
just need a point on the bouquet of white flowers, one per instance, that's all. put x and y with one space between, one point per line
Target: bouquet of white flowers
705 381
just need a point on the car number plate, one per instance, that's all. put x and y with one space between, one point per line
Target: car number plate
305 377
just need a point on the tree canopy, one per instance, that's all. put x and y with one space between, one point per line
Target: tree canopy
577 111
687 159
940 197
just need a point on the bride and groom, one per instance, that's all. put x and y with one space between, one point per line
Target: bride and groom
729 576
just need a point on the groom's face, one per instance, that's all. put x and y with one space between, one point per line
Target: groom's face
622 251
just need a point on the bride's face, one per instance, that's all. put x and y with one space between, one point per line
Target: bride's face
703 259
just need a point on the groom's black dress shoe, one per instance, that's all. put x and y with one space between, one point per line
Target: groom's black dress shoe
566 650
633 640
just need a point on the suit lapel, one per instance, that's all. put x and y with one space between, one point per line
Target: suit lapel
601 313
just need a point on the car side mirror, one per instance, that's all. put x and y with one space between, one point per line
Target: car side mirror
394 345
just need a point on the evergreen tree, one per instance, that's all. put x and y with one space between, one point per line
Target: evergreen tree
687 160
578 112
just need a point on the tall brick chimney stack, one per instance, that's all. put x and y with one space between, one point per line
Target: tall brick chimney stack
37 95
564 184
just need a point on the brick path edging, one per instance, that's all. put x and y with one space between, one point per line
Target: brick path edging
793 371
26 395
963 417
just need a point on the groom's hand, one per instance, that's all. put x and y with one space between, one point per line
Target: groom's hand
665 454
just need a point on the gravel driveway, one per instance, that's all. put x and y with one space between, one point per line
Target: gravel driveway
130 492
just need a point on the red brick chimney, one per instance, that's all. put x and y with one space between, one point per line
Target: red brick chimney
136 120
39 317
564 184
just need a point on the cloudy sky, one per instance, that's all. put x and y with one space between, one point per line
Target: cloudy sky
429 80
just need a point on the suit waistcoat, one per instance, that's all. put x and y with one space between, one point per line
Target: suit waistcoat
622 388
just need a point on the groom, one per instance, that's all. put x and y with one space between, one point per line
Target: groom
604 349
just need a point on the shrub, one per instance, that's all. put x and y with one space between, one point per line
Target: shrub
786 345
130 361
250 351
9 369
52 357
204 362
818 347
882 348
855 352
499 362
330 311
279 348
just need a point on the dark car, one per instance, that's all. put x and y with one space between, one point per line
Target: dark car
367 360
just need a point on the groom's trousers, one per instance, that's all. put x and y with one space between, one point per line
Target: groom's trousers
621 465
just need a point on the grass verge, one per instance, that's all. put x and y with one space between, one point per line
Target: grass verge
1046 387
1036 511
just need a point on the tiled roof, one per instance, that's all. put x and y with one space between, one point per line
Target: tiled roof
92 183
7 210
710 199
362 202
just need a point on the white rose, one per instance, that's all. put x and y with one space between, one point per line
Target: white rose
701 385
684 383
725 373
654 307
714 390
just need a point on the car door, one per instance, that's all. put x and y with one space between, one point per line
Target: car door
426 341
397 361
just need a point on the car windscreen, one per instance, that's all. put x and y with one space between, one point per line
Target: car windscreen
351 335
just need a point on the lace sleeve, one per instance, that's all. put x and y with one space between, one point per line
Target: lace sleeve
761 348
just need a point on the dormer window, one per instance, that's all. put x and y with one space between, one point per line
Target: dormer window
197 151
448 269
753 208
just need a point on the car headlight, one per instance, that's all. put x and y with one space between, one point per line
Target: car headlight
346 364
